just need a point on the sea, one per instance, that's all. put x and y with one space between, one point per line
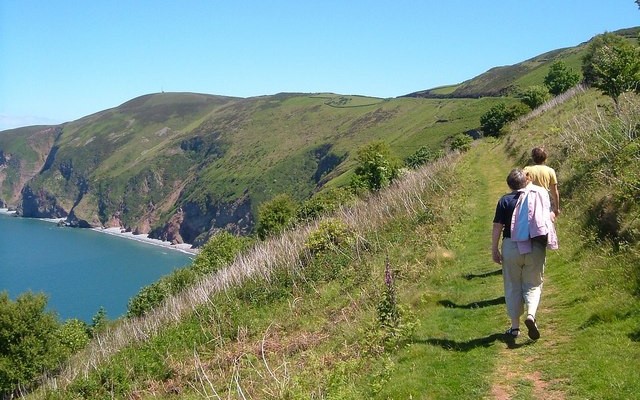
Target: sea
79 270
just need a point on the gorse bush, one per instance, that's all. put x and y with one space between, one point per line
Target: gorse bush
330 235
276 215
500 115
535 96
461 142
422 156
323 203
219 251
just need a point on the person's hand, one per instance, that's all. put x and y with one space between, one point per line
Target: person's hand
497 257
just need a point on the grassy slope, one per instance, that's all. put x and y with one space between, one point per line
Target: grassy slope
313 335
256 147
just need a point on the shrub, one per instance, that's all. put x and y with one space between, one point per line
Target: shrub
377 167
29 340
323 203
73 335
331 234
422 156
498 116
560 78
461 142
219 251
535 96
147 298
275 215
98 322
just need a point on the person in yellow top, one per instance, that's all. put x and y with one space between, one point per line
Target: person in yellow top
545 176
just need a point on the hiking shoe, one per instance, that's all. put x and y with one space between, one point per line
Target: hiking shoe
512 333
532 328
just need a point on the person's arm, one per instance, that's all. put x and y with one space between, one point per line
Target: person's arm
555 199
495 241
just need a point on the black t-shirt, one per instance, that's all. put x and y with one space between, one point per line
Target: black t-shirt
504 212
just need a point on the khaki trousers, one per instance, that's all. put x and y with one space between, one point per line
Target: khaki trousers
523 277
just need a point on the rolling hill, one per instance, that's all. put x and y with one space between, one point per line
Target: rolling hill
402 300
182 166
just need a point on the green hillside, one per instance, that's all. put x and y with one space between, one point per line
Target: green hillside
282 322
208 161
392 296
182 166
512 79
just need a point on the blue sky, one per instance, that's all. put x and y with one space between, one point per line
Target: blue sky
62 60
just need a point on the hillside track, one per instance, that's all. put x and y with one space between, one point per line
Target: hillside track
514 374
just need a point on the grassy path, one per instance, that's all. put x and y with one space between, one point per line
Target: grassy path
463 315
514 376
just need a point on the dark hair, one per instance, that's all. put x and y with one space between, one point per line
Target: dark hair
538 155
516 179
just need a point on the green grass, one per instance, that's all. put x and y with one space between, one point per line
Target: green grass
311 331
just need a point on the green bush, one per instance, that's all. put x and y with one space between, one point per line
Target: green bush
422 156
30 340
560 78
461 142
73 335
219 251
330 235
377 167
275 216
148 298
98 322
323 203
499 115
535 96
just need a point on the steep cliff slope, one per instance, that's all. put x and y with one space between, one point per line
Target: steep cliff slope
182 165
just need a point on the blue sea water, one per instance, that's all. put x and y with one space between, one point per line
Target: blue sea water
79 270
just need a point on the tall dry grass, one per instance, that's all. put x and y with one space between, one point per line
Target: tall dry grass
404 197
552 103
609 134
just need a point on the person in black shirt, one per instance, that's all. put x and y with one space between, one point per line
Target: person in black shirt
522 273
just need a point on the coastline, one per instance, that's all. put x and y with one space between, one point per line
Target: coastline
184 248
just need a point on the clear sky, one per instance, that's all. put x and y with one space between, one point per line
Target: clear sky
61 60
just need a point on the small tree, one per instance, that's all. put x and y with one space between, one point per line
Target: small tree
377 167
535 96
612 64
498 116
29 341
275 215
99 321
560 78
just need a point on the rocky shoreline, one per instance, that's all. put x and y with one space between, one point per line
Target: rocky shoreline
183 247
